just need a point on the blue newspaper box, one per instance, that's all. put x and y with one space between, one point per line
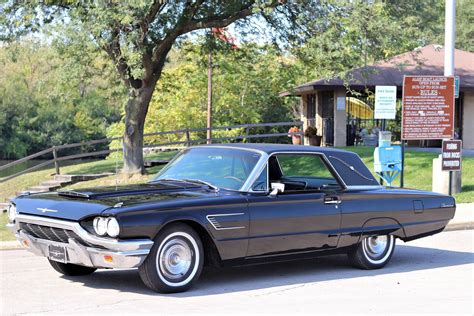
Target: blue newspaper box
388 162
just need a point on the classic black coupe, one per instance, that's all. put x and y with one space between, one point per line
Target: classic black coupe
228 205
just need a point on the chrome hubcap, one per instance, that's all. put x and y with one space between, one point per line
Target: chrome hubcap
376 245
175 259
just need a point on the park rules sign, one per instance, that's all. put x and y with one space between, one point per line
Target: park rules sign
428 107
385 102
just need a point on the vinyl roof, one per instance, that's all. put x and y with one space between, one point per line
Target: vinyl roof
428 60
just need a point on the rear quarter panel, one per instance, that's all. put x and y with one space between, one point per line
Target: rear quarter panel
407 214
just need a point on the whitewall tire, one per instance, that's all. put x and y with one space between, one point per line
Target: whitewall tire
373 252
175 261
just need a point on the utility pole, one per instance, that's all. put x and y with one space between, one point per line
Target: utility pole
449 36
209 98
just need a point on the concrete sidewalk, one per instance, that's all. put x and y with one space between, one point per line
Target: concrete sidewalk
463 219
465 152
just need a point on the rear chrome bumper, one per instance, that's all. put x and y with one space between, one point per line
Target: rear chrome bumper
109 253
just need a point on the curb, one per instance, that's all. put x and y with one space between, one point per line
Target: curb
10 245
459 226
14 245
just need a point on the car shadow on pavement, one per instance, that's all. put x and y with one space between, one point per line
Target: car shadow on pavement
266 276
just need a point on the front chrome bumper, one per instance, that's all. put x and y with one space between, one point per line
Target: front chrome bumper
110 253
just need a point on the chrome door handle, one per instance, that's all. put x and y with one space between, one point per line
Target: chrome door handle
332 199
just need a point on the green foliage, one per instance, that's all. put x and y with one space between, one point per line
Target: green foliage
246 84
351 34
465 25
66 89
49 97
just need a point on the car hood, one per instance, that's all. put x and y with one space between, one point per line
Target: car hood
79 204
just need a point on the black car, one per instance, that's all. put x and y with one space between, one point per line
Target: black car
228 205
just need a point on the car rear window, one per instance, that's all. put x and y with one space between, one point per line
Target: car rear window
351 169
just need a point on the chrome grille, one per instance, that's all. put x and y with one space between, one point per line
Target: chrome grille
53 233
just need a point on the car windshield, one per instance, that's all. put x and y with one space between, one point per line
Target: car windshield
226 168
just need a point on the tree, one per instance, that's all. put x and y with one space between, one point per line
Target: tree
47 98
351 34
137 36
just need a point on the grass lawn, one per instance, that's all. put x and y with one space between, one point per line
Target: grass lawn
419 169
418 175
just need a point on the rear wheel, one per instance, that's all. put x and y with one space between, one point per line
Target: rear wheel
175 261
71 269
373 252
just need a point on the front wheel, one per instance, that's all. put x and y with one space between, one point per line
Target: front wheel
373 252
175 260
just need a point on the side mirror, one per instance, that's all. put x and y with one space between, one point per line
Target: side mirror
277 188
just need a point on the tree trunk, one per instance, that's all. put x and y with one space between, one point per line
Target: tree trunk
135 115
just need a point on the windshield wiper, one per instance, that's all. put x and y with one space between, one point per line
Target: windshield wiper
216 189
213 187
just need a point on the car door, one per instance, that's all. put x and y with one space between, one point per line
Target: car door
305 217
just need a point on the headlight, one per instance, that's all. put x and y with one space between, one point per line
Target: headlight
11 212
106 226
100 226
113 228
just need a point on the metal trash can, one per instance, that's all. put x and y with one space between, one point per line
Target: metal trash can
388 163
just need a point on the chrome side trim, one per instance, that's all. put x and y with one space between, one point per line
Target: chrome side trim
444 205
253 176
229 147
217 226
109 243
364 187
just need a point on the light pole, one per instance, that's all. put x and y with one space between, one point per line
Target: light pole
449 36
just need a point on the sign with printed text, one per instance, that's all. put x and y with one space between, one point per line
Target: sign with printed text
428 107
451 155
385 102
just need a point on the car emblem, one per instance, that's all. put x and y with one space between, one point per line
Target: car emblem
44 210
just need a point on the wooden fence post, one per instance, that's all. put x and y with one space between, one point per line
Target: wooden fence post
188 137
247 133
56 163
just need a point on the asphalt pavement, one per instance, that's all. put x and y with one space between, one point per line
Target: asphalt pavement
431 275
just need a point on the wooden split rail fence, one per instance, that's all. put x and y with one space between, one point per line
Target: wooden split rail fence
54 157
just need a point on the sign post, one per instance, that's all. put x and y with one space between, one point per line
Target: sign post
427 109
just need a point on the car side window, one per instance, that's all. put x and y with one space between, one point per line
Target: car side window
260 183
302 172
